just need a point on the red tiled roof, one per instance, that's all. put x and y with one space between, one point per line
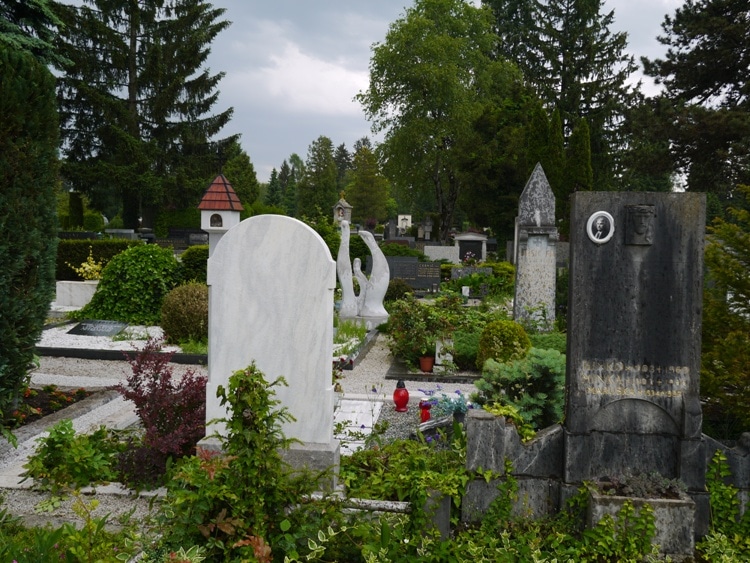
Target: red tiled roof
220 196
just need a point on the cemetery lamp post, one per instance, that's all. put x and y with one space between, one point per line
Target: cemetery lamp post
401 397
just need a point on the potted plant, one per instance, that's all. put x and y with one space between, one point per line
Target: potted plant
79 293
414 328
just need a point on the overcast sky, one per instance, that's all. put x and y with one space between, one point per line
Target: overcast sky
293 67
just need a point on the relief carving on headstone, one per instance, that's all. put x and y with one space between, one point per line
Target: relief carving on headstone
639 228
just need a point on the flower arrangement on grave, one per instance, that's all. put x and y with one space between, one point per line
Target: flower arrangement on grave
414 327
447 405
470 259
90 269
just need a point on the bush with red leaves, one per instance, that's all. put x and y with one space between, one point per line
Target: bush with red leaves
173 412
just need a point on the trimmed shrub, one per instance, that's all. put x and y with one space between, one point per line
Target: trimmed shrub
550 341
397 289
189 218
535 385
195 263
395 249
465 348
28 223
502 340
184 313
133 286
76 252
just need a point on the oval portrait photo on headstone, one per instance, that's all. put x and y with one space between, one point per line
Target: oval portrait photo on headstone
600 227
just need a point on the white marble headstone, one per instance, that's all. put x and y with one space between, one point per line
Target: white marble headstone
271 281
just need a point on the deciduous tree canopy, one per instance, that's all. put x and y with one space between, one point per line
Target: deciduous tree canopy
428 80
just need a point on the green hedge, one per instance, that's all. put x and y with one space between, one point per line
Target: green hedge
77 251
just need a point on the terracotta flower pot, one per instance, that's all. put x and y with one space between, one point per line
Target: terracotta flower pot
426 363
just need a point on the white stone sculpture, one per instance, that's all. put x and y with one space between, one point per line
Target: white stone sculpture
372 310
349 307
362 279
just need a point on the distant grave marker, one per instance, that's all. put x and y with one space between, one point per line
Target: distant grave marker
536 281
97 328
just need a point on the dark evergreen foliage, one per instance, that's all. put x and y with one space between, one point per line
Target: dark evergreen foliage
367 191
31 26
318 187
577 65
28 224
274 194
704 115
136 104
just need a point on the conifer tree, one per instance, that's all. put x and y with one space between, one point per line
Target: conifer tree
31 26
367 191
577 65
240 172
725 358
136 103
705 108
28 227
317 189
343 159
273 194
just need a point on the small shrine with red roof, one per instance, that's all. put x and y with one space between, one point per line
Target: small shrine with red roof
220 210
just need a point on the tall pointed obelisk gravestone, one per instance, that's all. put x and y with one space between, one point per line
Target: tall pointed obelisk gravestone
534 302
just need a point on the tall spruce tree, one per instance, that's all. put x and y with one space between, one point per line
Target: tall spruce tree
240 172
706 79
568 53
31 26
273 193
28 226
343 159
317 191
367 191
135 105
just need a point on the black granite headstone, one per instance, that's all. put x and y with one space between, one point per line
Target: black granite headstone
419 275
97 328
634 336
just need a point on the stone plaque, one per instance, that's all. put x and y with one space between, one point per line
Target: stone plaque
97 328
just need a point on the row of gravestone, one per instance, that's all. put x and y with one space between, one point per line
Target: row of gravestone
634 323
